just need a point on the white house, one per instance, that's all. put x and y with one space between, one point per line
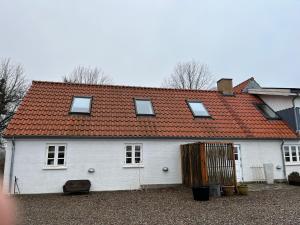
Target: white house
286 103
121 137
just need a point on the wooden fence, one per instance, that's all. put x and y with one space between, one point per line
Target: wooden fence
208 163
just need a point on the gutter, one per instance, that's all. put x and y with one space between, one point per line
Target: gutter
12 159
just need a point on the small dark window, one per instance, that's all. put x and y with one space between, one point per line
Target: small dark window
198 109
81 105
144 107
267 111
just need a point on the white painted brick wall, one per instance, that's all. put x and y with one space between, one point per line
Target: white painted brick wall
107 157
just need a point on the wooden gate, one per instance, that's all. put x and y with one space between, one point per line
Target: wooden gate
208 163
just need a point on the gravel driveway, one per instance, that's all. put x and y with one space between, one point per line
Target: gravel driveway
162 206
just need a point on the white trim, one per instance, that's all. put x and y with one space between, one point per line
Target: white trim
133 164
291 162
55 166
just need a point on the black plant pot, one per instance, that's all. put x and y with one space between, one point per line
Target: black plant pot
201 193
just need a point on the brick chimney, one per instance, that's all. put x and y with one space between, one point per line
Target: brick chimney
225 86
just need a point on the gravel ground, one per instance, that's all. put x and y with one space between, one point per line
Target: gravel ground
162 206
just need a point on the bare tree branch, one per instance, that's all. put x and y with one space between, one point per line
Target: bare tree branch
13 87
190 75
87 75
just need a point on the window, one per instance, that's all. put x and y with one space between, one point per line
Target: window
81 105
267 111
144 107
292 153
133 154
56 155
198 109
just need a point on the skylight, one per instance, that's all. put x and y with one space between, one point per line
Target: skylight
81 105
198 109
267 111
144 107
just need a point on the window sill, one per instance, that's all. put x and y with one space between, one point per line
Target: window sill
292 164
133 166
55 168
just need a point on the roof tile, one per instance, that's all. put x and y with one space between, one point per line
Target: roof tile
45 112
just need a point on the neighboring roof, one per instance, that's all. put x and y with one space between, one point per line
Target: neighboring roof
275 91
245 85
44 112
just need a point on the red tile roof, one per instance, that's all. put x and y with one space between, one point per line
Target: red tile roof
45 112
240 87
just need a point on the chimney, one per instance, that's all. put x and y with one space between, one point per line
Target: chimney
225 86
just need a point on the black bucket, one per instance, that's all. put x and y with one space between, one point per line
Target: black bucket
201 193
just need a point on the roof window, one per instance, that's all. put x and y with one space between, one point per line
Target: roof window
81 105
198 109
144 107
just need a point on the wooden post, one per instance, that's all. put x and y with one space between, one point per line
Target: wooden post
204 175
191 165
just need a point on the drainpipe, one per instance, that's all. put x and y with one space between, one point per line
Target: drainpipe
295 111
283 159
13 148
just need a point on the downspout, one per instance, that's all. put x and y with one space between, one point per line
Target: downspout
295 111
13 148
283 160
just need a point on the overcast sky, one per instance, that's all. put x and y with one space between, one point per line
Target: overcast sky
137 42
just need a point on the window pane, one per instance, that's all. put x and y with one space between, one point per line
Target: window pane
137 160
51 155
138 154
51 148
287 159
299 153
144 107
267 111
286 153
128 160
61 148
137 148
294 153
61 155
50 162
60 162
128 154
81 105
198 109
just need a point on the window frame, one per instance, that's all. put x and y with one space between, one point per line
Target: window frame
133 163
258 106
56 151
290 155
81 113
143 99
191 109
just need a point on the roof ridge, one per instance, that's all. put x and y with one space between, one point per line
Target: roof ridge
121 86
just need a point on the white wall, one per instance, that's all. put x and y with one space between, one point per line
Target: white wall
277 103
107 157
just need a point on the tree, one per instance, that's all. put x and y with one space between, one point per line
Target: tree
87 75
190 75
13 87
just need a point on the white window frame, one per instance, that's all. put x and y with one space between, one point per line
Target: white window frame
291 162
133 163
55 165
